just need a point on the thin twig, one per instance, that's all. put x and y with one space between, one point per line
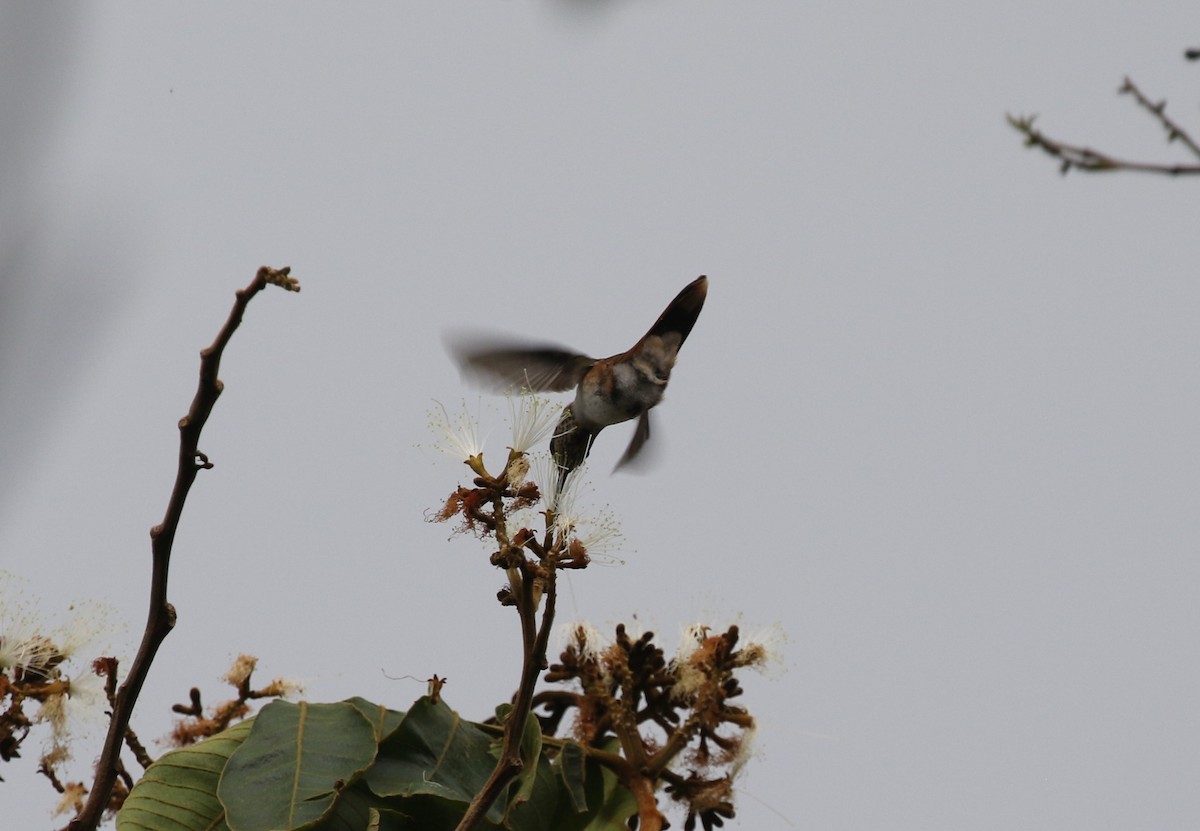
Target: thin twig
1086 159
1159 111
137 749
161 618
1095 161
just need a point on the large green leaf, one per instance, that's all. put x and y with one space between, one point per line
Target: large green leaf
533 795
179 791
433 753
609 804
572 767
356 765
289 771
382 719
536 805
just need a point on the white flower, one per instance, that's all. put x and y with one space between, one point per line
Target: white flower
762 649
23 650
691 669
586 639
533 417
284 688
89 622
457 437
80 702
564 499
545 472
23 643
598 535
690 639
86 700
240 670
72 799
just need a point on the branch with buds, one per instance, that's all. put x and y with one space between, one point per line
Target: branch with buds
1072 156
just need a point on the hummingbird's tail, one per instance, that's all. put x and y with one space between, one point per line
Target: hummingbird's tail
681 313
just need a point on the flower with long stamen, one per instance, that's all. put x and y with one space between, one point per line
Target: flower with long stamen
533 417
690 668
586 639
458 436
599 535
566 497
85 697
89 621
24 645
545 472
690 638
762 650
23 650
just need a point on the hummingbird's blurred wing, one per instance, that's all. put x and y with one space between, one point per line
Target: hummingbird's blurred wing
502 364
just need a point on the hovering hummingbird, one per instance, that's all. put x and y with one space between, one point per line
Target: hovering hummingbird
607 390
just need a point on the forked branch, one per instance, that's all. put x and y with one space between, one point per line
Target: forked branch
1078 157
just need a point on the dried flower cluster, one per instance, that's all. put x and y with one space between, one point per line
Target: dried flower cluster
673 718
196 725
43 681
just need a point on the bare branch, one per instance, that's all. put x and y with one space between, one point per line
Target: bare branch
161 618
1073 156
1093 161
1159 111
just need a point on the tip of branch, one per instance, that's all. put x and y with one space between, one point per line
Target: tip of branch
1023 124
279 277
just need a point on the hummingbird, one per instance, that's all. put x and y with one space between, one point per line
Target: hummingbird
608 391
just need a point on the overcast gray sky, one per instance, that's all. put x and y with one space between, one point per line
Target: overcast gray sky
938 419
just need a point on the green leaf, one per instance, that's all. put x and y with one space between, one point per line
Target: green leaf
435 753
289 771
572 766
353 811
179 791
536 806
535 773
608 803
382 719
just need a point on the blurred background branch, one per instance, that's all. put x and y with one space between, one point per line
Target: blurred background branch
1079 157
